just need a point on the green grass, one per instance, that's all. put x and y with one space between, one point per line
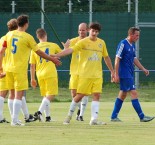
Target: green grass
129 132
109 94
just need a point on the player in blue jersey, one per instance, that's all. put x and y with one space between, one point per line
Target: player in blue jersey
124 73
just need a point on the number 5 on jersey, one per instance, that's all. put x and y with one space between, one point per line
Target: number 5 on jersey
14 45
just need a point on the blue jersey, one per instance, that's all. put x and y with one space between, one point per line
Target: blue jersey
126 53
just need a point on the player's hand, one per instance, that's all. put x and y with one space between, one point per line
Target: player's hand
146 72
33 84
56 60
2 75
112 77
1 69
66 44
116 78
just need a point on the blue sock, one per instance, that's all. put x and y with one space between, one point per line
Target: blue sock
137 107
117 107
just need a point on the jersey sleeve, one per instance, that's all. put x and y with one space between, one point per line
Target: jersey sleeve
105 52
32 58
78 46
32 43
120 49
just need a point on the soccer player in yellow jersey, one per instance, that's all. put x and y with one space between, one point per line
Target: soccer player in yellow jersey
82 31
19 46
91 51
46 74
12 25
3 88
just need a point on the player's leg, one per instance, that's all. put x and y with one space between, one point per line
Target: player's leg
2 99
73 87
73 106
83 105
20 84
96 89
51 92
3 94
73 93
10 101
124 88
25 111
117 106
136 105
47 111
17 104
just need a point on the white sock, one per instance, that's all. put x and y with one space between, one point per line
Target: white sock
16 109
83 105
25 108
43 104
94 110
10 106
72 108
47 108
1 107
79 105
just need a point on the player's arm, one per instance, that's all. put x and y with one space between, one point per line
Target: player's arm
110 67
116 68
2 51
140 66
55 60
32 72
64 52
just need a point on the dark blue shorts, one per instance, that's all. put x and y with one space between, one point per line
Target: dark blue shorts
127 84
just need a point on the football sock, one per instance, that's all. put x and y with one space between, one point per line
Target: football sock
25 108
137 107
83 105
1 107
72 108
117 107
94 109
16 109
43 104
10 106
47 108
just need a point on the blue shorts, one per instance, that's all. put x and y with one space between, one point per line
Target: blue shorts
127 84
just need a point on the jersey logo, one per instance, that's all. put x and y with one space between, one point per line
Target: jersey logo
100 45
94 57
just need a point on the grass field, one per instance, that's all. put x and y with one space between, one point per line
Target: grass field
129 132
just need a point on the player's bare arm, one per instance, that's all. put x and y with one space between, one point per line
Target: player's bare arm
110 67
32 72
64 52
117 61
140 66
55 60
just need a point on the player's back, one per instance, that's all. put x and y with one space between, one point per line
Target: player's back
45 68
19 45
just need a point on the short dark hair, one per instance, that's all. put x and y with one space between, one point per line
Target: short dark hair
22 20
95 25
41 33
132 30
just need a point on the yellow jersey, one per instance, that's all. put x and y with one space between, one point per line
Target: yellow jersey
75 57
90 57
45 68
19 46
4 57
